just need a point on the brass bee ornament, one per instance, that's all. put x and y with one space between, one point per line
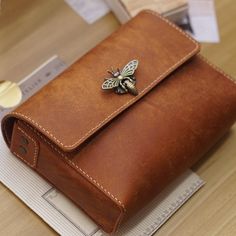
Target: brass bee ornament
122 81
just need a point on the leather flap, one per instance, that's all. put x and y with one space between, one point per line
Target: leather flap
73 107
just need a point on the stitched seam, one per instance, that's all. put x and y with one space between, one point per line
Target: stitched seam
172 25
126 104
218 69
35 150
78 168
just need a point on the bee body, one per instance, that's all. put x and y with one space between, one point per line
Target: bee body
131 87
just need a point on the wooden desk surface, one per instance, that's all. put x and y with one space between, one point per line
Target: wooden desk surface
212 211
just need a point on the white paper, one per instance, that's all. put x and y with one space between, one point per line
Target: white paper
203 20
89 10
56 209
146 222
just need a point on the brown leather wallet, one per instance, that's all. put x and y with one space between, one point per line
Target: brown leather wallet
112 154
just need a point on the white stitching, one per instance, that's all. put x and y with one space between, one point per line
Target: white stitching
77 167
35 150
126 104
172 24
218 69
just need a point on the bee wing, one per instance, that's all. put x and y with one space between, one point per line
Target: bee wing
129 68
110 83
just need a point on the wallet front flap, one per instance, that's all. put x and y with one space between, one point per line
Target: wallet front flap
73 107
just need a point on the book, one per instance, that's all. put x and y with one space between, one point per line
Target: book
174 10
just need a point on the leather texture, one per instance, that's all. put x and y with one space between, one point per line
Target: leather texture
112 154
